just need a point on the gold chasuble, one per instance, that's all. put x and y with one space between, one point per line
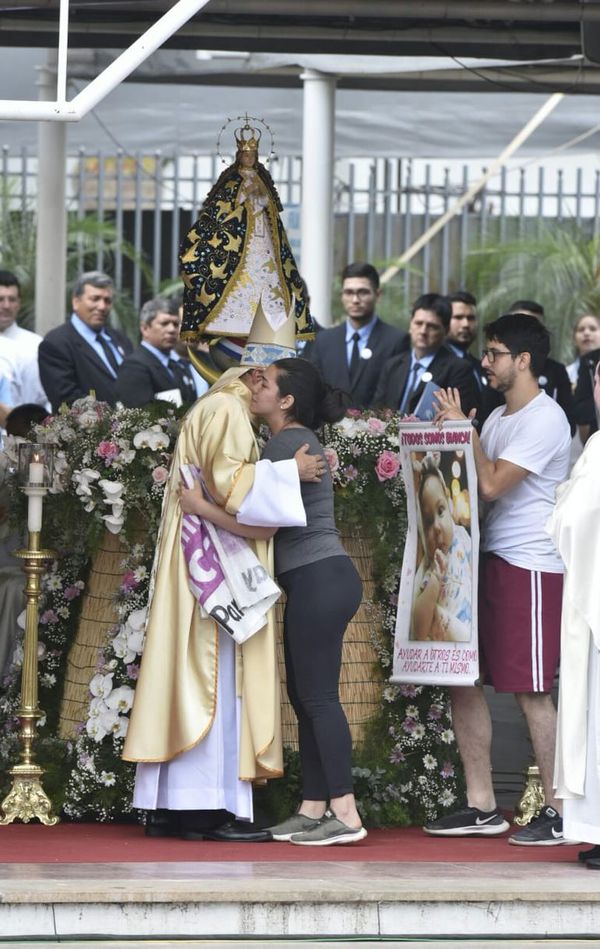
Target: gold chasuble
176 692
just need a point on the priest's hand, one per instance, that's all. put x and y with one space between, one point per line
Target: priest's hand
310 467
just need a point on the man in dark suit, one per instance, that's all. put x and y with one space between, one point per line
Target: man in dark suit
350 356
405 376
84 354
155 370
461 336
554 378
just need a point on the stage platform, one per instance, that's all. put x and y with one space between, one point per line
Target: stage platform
110 882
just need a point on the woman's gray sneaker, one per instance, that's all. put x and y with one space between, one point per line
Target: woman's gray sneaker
329 830
296 824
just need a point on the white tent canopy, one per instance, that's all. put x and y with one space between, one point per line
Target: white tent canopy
158 111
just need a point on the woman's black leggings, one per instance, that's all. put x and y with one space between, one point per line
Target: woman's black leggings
322 598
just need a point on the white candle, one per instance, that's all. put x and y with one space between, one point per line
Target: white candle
34 511
36 472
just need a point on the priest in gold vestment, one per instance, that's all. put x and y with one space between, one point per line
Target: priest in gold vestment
206 716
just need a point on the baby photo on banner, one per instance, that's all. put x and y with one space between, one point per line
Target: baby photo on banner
436 624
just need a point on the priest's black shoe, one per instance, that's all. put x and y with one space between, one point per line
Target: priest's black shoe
162 823
586 855
237 832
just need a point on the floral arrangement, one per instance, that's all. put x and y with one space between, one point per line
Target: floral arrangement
111 467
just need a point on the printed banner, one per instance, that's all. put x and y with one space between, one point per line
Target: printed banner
436 624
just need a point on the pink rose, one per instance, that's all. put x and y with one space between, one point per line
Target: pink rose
388 465
376 426
108 451
331 457
160 474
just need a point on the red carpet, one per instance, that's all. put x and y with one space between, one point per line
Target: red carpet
126 843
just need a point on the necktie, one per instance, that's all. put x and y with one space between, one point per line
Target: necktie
354 357
108 352
179 374
411 387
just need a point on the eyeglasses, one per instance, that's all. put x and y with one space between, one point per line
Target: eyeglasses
361 294
492 354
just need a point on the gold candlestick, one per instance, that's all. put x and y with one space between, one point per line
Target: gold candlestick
27 798
532 798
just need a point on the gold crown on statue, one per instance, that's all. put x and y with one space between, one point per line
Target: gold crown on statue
247 137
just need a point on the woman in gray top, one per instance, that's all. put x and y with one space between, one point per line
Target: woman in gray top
323 592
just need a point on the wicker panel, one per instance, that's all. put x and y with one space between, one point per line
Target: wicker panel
97 617
360 681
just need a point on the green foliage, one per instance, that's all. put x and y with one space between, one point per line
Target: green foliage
560 268
85 235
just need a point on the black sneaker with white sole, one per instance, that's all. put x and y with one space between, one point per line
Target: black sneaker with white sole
468 822
545 830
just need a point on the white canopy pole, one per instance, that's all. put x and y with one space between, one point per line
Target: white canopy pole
111 77
51 243
316 224
498 163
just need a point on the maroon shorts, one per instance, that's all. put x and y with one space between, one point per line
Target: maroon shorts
519 626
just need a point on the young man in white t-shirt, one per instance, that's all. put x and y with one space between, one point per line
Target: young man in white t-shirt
521 457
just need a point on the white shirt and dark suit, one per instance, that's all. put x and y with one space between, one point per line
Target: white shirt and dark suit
401 382
148 371
73 362
332 351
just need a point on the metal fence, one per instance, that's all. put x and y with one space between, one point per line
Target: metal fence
143 204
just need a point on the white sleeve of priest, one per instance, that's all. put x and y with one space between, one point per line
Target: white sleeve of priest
274 500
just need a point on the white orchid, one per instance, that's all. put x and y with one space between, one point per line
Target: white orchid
152 437
137 619
120 699
95 729
113 523
112 489
135 643
82 480
97 707
101 685
121 649
114 724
